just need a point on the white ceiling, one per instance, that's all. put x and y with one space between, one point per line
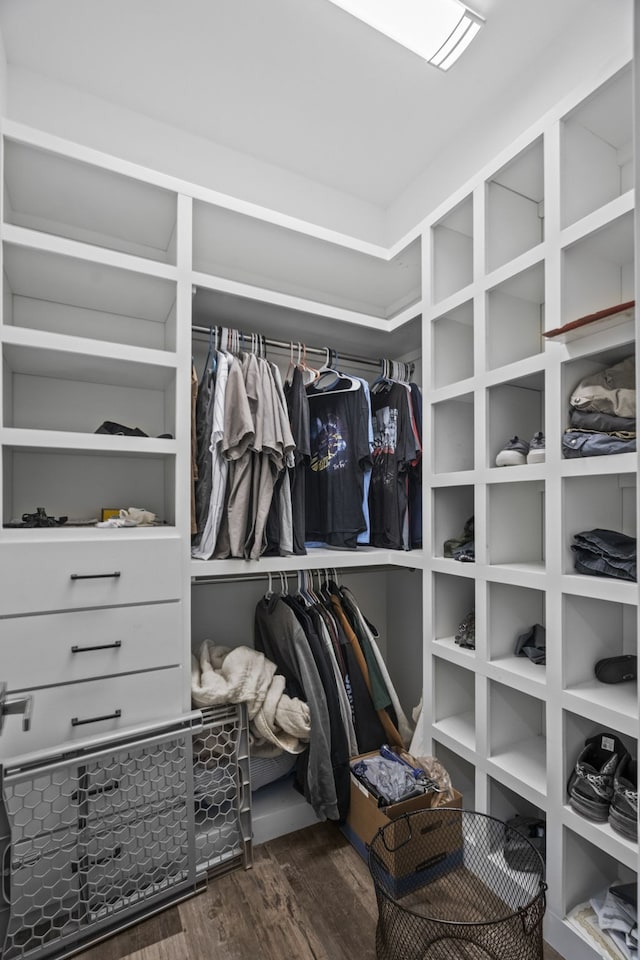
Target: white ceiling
299 83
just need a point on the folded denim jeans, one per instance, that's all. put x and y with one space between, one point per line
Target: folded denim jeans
579 443
605 553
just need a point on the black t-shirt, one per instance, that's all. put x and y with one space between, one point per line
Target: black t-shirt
394 448
335 476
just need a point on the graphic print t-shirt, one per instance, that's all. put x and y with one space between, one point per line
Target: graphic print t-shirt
338 425
394 448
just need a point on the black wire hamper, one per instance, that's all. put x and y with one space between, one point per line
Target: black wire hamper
445 891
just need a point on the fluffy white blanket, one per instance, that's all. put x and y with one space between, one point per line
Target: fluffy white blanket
277 722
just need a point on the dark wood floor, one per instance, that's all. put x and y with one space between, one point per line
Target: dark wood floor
308 896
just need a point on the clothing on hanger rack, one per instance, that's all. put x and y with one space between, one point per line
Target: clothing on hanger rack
279 467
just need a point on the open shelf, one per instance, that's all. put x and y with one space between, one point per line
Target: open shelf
47 389
45 291
57 194
577 730
515 207
515 408
517 735
454 703
262 254
452 346
593 630
590 868
596 149
597 270
605 502
453 434
516 521
79 483
453 251
453 600
515 318
512 611
452 507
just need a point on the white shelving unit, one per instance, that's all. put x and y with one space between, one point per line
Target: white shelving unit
552 240
106 268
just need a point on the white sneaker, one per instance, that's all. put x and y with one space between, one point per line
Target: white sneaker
536 449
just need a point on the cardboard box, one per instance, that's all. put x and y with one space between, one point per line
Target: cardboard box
411 844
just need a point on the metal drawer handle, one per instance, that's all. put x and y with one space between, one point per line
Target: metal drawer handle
95 576
75 722
100 646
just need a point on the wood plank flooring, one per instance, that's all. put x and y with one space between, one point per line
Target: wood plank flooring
308 896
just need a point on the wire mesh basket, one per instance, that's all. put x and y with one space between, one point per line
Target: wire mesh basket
446 892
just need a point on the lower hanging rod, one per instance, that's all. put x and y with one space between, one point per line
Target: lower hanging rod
275 574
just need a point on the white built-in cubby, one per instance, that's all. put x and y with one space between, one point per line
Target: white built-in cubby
515 317
541 237
597 149
515 409
452 239
454 701
452 347
515 207
512 611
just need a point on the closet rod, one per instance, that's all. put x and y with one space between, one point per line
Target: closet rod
286 345
275 574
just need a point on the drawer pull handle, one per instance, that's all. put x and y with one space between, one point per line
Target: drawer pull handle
75 722
99 646
95 576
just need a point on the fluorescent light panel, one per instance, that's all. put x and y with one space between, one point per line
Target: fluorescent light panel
437 30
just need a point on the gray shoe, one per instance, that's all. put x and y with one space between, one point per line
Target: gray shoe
623 813
536 448
513 453
590 785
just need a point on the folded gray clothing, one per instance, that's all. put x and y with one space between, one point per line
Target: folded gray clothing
612 390
601 422
580 443
532 644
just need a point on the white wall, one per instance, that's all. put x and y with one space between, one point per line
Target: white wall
66 112
3 76
603 38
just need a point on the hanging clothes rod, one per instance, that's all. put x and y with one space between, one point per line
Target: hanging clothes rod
287 346
275 574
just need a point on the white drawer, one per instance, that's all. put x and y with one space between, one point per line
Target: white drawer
54 648
94 704
69 574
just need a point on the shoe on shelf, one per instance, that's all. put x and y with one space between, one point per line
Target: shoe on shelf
590 785
513 453
536 448
623 812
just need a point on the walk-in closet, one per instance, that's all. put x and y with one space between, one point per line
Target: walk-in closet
300 208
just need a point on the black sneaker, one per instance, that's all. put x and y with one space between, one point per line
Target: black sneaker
623 813
590 785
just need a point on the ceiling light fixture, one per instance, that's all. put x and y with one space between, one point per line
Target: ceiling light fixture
437 30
